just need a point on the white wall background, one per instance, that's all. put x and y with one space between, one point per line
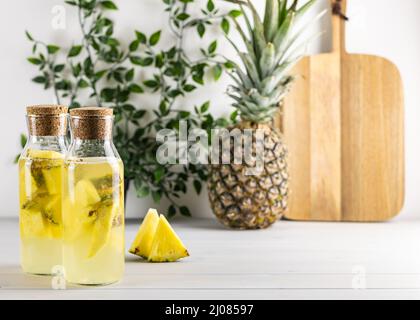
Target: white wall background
381 27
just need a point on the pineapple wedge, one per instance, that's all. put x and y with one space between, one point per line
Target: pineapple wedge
157 241
101 232
86 193
52 215
144 239
81 218
52 178
167 246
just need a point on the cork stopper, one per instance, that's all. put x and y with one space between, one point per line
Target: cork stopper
92 123
47 120
92 112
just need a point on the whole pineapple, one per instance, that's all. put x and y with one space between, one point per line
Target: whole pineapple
242 201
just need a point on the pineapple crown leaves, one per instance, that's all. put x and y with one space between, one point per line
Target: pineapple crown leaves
273 46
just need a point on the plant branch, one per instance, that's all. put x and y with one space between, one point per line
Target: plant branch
86 45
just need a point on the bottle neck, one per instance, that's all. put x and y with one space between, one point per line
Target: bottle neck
46 140
51 143
92 148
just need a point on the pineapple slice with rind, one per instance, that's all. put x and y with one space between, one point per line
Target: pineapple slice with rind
167 246
82 217
52 214
53 177
144 239
97 211
102 228
53 210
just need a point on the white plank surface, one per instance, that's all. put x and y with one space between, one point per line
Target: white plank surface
289 261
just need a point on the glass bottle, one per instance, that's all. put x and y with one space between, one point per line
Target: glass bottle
40 189
93 209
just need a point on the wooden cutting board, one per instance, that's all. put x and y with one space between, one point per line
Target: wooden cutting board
344 125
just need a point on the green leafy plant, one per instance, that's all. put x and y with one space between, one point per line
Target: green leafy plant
99 67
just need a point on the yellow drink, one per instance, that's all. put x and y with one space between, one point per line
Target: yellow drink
40 180
93 212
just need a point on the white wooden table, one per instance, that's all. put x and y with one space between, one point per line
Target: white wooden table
289 261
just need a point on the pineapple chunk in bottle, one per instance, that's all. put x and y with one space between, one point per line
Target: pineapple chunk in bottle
40 193
93 209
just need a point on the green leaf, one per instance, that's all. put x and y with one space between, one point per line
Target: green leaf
142 190
258 32
144 62
40 79
82 84
185 211
134 45
110 5
35 61
100 74
59 68
154 39
229 65
139 114
71 2
129 76
128 108
159 61
201 29
108 94
271 19
235 13
198 186
157 196
159 174
212 47
76 70
29 36
52 49
23 140
174 93
217 72
225 26
141 37
199 78
189 88
222 123
210 6
151 83
184 114
205 107
182 16
163 108
135 88
234 116
171 211
75 51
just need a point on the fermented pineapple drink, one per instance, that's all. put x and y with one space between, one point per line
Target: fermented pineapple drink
93 207
40 189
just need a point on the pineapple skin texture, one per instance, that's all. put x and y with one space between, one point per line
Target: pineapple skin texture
245 202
